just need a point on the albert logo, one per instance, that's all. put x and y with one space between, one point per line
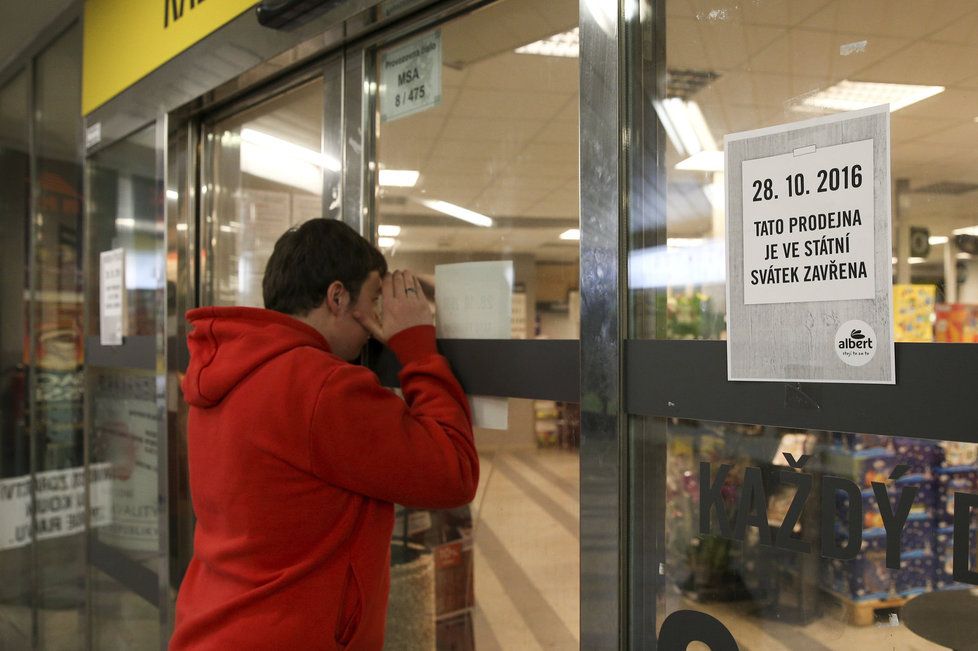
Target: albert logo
855 343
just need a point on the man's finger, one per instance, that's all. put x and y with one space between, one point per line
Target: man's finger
410 289
398 284
418 287
387 286
370 324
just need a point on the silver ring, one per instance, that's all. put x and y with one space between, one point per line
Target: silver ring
411 289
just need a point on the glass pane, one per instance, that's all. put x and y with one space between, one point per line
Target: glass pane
490 172
15 498
800 558
504 570
770 63
265 173
57 344
124 413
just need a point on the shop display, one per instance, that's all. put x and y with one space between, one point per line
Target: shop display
557 424
799 586
913 312
956 323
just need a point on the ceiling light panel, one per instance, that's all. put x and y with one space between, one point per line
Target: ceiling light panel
566 44
854 95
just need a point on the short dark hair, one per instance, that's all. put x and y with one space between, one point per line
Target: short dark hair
308 259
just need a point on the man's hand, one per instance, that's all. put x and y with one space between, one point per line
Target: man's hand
404 307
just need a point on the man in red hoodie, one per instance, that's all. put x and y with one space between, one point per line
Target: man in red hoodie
297 455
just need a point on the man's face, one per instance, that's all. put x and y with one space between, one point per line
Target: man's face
353 336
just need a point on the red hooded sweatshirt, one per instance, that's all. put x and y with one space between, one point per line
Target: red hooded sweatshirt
296 457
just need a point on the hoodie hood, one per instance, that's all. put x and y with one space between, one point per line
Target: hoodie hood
228 343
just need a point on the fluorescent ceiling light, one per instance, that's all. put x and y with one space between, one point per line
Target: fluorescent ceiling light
125 222
458 212
681 242
386 242
566 44
704 161
934 240
399 178
964 256
571 234
916 260
893 260
853 95
388 230
284 162
172 195
970 230
685 126
181 227
289 150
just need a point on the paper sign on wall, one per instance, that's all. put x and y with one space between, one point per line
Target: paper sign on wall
112 296
809 290
473 300
410 77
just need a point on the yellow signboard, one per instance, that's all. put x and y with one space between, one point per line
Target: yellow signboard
127 39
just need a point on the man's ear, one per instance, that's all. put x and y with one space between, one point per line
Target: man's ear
337 298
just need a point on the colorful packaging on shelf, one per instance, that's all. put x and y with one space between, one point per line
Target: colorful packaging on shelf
863 466
944 559
957 453
916 573
860 442
960 479
921 455
920 512
867 578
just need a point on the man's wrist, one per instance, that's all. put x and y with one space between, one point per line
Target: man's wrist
413 343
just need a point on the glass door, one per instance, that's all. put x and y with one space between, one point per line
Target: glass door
125 392
474 185
772 508
264 170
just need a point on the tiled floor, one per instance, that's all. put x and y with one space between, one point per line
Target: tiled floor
527 567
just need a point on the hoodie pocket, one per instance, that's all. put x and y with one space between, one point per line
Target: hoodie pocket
351 608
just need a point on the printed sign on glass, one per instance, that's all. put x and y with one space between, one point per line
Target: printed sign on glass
809 292
410 77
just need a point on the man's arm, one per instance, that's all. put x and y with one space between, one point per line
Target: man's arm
418 452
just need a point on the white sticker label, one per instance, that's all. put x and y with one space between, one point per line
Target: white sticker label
856 343
410 77
112 296
93 135
809 225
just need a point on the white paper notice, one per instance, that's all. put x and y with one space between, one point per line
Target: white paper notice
112 296
490 413
410 77
473 300
808 225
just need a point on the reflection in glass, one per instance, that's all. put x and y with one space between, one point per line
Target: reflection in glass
491 172
479 195
124 420
15 567
56 341
768 586
755 66
265 169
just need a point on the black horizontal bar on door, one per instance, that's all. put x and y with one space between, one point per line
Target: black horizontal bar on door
513 368
937 384
132 575
135 352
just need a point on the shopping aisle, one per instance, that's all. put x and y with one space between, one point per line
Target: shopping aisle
527 563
